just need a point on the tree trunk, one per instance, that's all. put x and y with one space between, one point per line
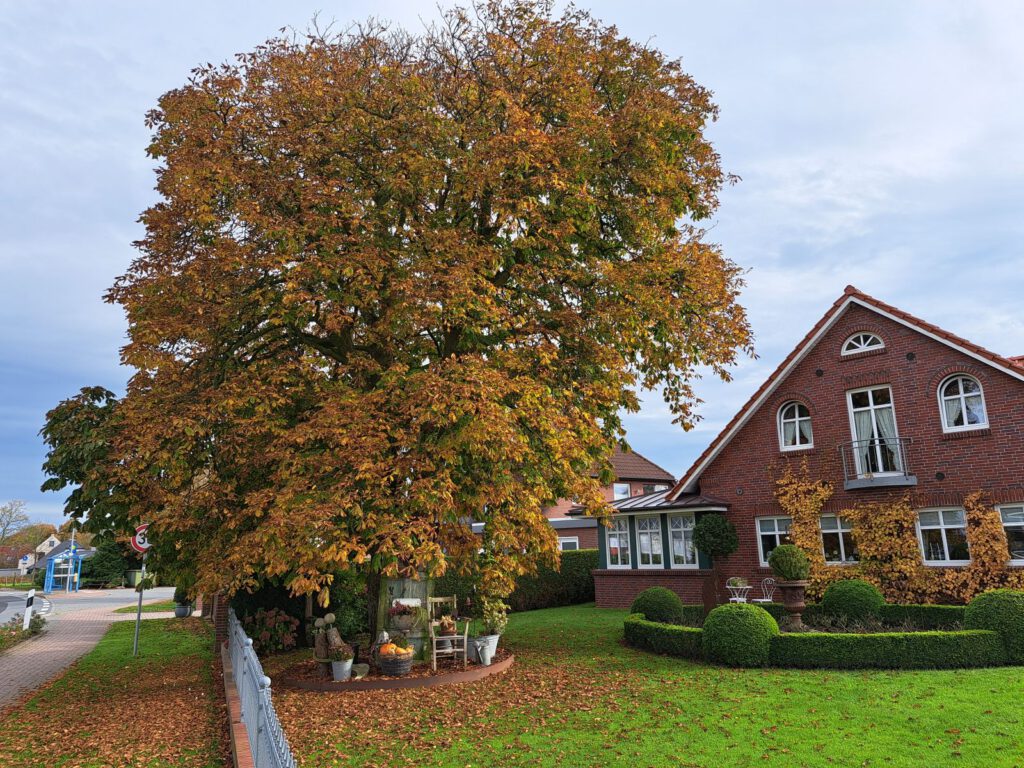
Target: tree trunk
710 592
373 584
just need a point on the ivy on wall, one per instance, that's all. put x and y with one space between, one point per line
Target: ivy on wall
890 555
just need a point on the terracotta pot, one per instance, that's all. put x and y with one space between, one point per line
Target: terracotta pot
793 594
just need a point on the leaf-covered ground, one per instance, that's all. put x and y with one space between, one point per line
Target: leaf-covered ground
577 697
157 711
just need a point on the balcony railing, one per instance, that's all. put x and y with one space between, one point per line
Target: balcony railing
875 463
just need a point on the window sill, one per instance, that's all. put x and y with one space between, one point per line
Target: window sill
967 433
858 355
948 564
802 450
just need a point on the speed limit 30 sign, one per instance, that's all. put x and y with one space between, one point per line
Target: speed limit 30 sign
139 541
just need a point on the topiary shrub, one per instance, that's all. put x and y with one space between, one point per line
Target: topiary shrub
789 563
739 635
659 604
715 536
852 598
1002 611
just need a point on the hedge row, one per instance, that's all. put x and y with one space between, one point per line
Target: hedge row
923 617
572 585
670 639
888 650
819 650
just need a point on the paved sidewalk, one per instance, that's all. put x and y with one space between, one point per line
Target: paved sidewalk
67 638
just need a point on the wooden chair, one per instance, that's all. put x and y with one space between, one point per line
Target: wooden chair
455 645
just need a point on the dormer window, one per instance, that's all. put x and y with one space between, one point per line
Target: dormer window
795 427
862 342
962 403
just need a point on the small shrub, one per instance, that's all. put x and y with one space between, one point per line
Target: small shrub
715 536
495 616
181 594
1002 611
888 650
739 635
271 630
659 604
789 563
853 598
669 639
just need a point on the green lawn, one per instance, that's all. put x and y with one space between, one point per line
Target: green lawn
159 710
578 697
159 607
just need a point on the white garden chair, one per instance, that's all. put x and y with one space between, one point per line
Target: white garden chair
767 592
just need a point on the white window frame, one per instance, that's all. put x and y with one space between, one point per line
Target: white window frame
687 533
661 543
862 347
616 490
777 532
861 471
568 540
943 527
843 526
963 404
781 421
614 530
1000 508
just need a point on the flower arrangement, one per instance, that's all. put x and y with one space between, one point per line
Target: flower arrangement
401 609
736 581
342 652
495 616
271 630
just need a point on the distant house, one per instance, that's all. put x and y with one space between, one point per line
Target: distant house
27 560
880 404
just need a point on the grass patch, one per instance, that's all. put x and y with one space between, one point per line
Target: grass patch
578 697
159 607
155 711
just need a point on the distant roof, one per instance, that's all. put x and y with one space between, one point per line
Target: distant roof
851 295
633 466
660 502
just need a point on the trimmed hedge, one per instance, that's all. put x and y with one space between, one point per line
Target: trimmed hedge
852 598
659 604
739 635
1002 611
926 617
670 639
888 650
573 584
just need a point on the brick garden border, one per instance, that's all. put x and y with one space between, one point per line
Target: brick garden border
465 676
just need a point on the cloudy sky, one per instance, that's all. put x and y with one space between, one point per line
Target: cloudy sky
880 144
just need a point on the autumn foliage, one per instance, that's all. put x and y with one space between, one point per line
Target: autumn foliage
395 282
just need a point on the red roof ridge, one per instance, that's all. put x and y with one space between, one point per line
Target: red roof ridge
849 293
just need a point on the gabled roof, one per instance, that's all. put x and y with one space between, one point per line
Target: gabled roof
1011 366
632 466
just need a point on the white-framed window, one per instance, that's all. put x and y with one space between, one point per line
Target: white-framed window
654 487
620 491
876 447
772 531
567 543
1013 524
618 543
861 342
837 540
680 542
795 427
962 404
648 542
943 535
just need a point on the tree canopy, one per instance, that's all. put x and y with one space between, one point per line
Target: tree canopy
398 282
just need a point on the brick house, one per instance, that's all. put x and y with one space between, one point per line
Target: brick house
881 404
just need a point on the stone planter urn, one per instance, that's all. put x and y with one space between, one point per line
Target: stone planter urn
793 593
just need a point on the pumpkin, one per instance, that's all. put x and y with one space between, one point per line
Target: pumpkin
388 649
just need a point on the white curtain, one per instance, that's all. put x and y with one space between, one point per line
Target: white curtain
953 413
886 421
864 449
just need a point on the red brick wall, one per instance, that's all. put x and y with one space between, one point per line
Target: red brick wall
617 588
587 536
991 460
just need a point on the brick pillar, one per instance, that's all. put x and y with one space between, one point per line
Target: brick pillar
220 618
206 606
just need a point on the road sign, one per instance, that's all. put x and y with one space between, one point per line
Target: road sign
28 609
139 541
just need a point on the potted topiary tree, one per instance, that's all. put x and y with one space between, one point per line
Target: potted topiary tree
182 605
716 537
791 567
341 662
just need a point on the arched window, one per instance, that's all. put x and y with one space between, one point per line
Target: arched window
795 427
962 404
862 342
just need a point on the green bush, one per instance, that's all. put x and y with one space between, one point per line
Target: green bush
659 604
852 598
789 563
739 635
923 616
715 536
670 639
888 650
1002 611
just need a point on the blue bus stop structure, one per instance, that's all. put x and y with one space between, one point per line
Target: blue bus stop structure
63 571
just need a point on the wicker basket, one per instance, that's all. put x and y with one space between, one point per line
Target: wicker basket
395 665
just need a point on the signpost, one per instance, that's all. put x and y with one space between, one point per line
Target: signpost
28 609
140 544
